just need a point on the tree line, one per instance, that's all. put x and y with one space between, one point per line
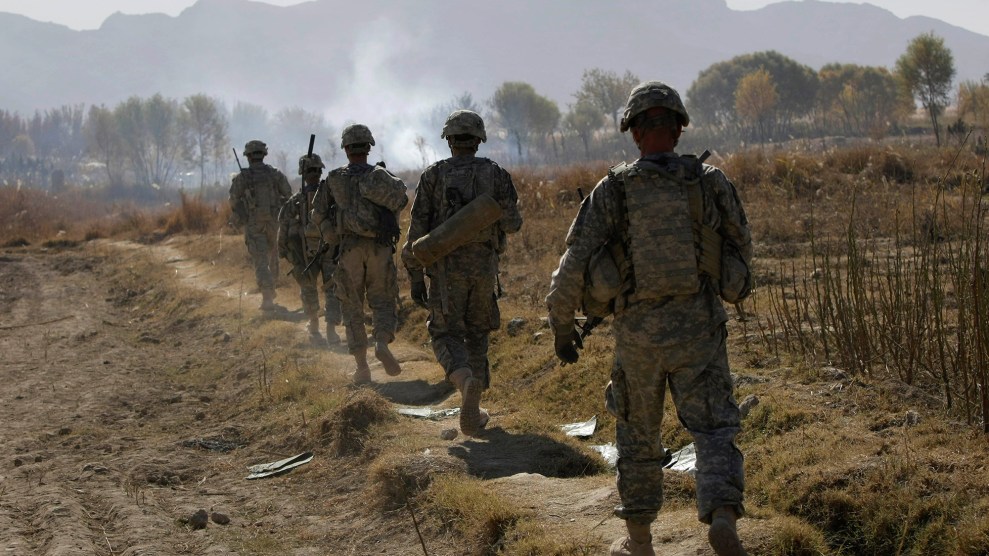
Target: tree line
752 98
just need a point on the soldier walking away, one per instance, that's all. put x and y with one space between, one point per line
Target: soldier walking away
682 241
256 195
300 243
464 206
358 206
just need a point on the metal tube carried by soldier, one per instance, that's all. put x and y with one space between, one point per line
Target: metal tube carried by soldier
458 230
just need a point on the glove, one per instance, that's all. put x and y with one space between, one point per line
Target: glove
420 294
565 344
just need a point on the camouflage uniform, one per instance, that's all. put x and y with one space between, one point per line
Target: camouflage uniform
677 340
256 195
463 308
290 247
364 201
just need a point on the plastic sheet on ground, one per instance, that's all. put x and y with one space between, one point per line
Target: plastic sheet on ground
583 429
609 452
262 470
684 460
429 413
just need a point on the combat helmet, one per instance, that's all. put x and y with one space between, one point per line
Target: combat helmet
255 147
464 122
356 134
651 94
310 161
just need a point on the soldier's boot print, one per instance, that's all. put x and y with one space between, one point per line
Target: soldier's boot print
267 300
470 401
363 373
637 543
332 337
722 535
315 338
384 355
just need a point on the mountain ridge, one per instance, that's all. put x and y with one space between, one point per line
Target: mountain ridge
389 55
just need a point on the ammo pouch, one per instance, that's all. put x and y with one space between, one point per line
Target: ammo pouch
736 279
602 282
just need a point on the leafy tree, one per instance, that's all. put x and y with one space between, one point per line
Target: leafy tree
523 112
711 98
755 100
583 119
973 102
103 140
151 136
927 69
205 127
606 91
859 100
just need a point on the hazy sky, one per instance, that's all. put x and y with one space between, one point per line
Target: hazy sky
89 14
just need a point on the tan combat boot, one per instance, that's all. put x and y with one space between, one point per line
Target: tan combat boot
267 300
332 337
722 535
315 338
384 355
637 543
470 400
363 373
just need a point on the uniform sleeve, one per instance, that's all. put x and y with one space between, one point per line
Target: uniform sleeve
321 203
590 230
508 198
420 219
237 197
385 190
734 226
284 187
284 220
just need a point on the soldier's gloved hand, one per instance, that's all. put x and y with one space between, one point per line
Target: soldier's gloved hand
565 343
420 295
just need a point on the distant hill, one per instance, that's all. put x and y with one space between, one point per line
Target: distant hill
378 57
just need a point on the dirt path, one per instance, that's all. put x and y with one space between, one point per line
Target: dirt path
101 453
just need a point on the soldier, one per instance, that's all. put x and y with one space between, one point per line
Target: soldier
464 206
299 242
359 205
256 195
669 323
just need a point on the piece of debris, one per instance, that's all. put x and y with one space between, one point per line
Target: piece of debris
198 520
262 470
219 519
449 434
429 413
684 460
609 452
584 429
747 404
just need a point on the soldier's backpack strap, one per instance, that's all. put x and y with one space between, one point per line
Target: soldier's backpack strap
709 261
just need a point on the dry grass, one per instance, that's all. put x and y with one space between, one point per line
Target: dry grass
854 461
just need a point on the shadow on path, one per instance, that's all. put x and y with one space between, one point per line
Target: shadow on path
498 453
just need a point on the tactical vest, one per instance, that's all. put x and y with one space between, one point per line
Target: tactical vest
354 214
260 193
661 240
459 184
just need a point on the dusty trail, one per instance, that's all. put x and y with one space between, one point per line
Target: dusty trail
91 460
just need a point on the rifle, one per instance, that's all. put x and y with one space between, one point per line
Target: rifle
237 158
320 251
304 217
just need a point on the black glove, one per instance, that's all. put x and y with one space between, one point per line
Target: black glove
420 295
565 344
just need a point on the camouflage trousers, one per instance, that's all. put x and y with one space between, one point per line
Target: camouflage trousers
701 388
366 271
262 245
309 291
463 310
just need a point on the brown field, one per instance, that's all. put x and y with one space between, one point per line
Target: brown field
132 348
